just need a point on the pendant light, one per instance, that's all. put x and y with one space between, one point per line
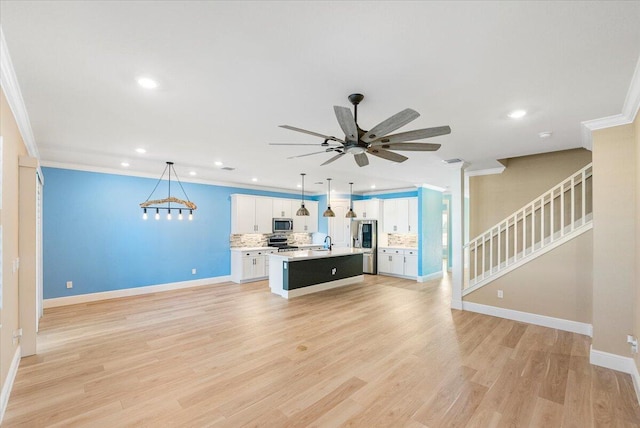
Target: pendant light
350 213
302 210
151 204
328 212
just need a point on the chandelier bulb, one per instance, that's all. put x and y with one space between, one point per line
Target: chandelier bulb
190 215
179 214
157 214
169 215
144 215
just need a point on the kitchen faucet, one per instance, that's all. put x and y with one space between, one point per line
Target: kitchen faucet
329 245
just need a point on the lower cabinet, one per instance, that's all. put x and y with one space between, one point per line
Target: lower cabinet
398 262
252 265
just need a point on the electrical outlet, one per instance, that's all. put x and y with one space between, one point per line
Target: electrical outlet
193 271
631 340
69 284
500 294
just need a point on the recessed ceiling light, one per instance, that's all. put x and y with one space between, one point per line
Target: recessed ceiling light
217 163
517 114
254 179
147 83
373 186
545 134
125 164
193 173
141 150
298 185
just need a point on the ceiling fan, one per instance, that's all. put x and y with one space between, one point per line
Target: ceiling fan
376 141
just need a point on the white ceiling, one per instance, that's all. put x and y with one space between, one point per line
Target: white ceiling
230 72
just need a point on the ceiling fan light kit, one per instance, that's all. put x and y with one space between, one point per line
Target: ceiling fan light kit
376 141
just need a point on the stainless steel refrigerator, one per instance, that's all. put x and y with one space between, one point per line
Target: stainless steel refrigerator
364 234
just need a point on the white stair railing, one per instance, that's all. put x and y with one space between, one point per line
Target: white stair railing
544 222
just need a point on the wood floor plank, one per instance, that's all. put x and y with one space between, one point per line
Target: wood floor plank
385 352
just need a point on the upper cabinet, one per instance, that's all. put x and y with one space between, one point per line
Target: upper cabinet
400 215
283 208
254 214
251 214
368 209
413 215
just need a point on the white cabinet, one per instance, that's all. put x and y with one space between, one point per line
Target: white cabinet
368 209
283 208
308 224
398 262
400 215
413 215
411 263
251 214
250 265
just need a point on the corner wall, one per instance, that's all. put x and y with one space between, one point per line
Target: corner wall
13 148
614 237
558 284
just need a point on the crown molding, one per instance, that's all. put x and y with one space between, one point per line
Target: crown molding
388 191
628 115
9 84
130 173
489 171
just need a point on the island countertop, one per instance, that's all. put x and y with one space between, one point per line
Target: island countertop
296 273
296 255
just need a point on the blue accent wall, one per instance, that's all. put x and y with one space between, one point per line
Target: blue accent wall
429 231
94 235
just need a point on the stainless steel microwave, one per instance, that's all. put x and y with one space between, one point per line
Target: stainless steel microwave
282 225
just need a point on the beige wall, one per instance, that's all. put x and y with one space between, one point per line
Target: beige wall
13 148
557 284
614 236
493 197
636 325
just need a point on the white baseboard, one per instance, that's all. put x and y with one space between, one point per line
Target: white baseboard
618 363
431 276
136 291
8 383
635 376
542 320
456 304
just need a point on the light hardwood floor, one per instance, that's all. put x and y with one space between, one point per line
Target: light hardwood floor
388 352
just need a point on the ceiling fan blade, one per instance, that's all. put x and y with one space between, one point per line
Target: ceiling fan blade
417 134
410 147
302 144
309 154
332 159
385 154
304 131
396 121
361 159
347 123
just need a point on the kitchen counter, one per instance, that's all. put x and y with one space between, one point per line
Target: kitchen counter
315 254
252 248
296 273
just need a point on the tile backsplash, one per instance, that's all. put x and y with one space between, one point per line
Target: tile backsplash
403 240
261 239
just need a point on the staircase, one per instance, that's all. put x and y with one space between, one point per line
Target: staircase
550 220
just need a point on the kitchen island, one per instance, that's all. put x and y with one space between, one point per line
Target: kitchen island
296 273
